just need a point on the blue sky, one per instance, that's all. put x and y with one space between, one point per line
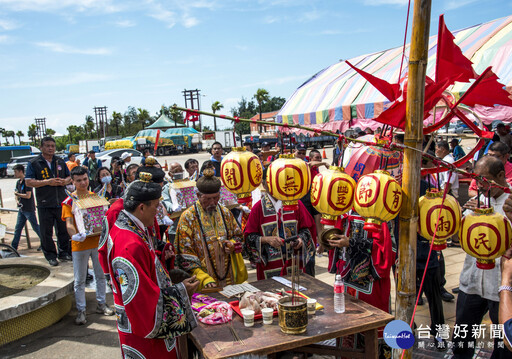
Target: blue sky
61 58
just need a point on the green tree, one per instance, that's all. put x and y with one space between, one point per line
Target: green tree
245 109
117 118
32 133
8 134
216 106
89 127
20 134
129 118
176 115
143 117
261 96
50 132
2 133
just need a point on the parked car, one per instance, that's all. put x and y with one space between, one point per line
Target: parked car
21 160
106 156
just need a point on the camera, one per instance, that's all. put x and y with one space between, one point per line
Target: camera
120 162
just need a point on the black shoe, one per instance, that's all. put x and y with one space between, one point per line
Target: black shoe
53 262
66 257
440 344
445 296
456 290
420 301
89 277
39 249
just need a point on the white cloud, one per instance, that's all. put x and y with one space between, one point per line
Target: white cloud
8 25
62 80
56 47
4 39
125 23
105 6
339 32
452 5
271 19
190 21
242 47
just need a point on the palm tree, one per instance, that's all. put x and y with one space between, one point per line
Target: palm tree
50 132
20 134
143 117
32 132
116 120
89 126
11 134
216 106
261 96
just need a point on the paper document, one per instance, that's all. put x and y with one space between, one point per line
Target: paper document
286 282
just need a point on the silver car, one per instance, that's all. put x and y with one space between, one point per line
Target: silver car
22 160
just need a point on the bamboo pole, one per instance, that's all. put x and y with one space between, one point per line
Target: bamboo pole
406 286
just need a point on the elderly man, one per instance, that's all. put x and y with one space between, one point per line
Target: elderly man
151 310
267 229
478 287
175 170
500 151
49 175
206 235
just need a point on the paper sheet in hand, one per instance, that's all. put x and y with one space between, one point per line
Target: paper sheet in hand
286 282
232 290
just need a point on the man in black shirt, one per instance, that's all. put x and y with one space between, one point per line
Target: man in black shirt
49 175
26 206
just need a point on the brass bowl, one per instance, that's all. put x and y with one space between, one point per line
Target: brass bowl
293 318
327 234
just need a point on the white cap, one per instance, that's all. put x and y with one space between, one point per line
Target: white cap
125 155
338 276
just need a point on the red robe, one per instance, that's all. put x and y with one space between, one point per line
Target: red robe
151 311
264 221
108 222
366 277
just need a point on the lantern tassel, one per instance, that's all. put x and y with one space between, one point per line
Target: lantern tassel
478 198
489 197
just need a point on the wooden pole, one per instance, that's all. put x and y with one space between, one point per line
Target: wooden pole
406 286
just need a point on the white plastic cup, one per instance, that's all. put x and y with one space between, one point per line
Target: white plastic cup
311 306
248 315
268 315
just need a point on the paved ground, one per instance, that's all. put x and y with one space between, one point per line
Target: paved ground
98 338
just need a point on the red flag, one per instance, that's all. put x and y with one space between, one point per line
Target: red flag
156 141
395 115
486 91
391 91
451 64
191 116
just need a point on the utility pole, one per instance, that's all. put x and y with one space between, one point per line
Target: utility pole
101 116
418 56
193 97
40 127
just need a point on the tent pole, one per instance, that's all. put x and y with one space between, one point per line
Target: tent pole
406 285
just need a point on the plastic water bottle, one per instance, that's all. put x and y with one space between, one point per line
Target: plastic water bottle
339 295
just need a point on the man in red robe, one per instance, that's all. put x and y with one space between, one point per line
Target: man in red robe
267 228
151 310
364 260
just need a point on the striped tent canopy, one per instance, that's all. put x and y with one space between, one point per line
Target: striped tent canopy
337 97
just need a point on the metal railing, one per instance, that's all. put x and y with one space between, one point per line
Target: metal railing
26 235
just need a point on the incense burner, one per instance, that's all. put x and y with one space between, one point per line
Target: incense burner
293 316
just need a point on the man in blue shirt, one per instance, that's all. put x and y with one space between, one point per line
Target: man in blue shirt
216 158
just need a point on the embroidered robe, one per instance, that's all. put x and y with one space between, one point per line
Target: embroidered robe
265 221
151 311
